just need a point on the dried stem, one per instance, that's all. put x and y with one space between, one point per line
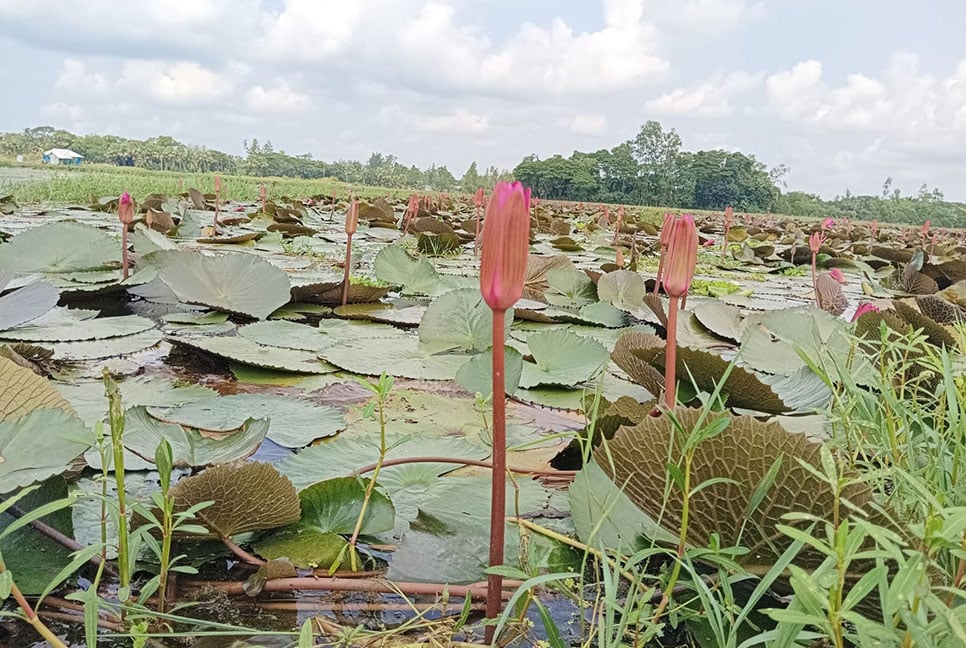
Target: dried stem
478 591
466 462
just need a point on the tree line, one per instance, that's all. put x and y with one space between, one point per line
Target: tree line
652 169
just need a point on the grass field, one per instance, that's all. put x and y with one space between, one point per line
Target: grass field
31 184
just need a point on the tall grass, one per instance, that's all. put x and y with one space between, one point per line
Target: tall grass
87 183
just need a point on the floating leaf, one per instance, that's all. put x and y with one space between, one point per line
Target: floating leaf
334 505
26 303
739 457
60 247
91 404
289 335
189 448
460 319
237 283
562 358
476 376
243 350
245 496
38 445
721 319
569 287
305 548
828 293
89 329
22 391
294 423
622 288
394 265
405 357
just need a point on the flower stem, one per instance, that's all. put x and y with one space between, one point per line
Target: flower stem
498 492
671 353
345 275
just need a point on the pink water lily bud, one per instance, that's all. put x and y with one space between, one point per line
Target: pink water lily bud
838 275
827 224
729 217
864 307
478 198
352 218
217 184
682 257
125 208
506 243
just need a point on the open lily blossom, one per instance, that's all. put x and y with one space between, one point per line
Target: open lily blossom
682 258
502 273
125 214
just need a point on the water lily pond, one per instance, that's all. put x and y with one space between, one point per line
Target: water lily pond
229 344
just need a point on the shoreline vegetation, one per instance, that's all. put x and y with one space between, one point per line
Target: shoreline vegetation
650 169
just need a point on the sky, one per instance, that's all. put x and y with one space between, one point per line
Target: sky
844 92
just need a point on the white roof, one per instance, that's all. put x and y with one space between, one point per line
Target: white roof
63 153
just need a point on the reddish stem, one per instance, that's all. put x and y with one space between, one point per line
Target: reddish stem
660 271
465 462
345 275
124 261
724 242
476 241
311 583
671 353
494 582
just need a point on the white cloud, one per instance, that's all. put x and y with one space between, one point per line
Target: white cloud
456 122
705 15
906 103
280 98
588 124
309 30
181 84
709 99
74 77
62 110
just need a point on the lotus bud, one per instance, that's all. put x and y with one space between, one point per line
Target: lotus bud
620 257
864 307
217 184
729 217
838 275
125 208
504 265
352 218
682 257
478 198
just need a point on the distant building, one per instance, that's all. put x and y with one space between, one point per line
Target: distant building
62 156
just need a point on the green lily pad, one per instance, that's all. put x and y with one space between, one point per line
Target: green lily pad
294 423
90 329
189 447
289 335
89 401
334 505
237 283
26 303
394 266
38 445
105 347
562 358
305 548
460 319
476 376
568 286
241 349
406 357
60 247
622 288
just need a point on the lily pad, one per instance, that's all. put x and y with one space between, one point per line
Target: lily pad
241 349
91 404
237 283
90 329
294 423
23 391
476 376
562 358
60 247
406 357
394 265
26 303
245 496
38 445
460 319
622 288
189 447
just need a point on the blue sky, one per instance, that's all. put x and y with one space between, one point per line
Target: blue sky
845 92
